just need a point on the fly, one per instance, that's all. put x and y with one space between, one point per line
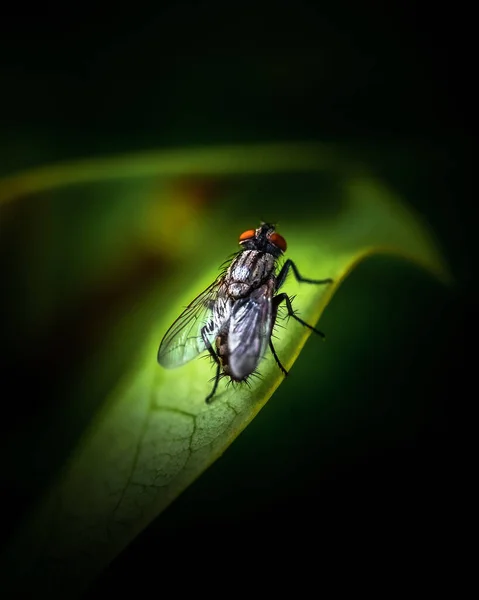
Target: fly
233 319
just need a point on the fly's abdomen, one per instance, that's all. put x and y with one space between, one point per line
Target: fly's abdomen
248 272
223 354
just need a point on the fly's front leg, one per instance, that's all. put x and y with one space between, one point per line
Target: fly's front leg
210 349
289 264
285 298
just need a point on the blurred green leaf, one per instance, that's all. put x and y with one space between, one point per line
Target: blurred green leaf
154 434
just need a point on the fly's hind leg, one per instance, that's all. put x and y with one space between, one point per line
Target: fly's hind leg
278 362
285 298
210 349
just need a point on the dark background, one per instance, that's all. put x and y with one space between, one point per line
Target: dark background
382 457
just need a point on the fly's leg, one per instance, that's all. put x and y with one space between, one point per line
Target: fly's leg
285 298
278 362
273 350
209 347
289 264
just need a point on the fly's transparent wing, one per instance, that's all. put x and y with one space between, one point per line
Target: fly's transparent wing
250 331
183 340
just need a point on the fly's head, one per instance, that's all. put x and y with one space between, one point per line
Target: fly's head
263 239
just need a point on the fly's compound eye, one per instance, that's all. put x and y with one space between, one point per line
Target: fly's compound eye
278 240
247 235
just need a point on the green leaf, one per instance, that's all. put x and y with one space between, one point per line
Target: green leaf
153 434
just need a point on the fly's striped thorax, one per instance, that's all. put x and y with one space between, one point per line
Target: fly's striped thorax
248 271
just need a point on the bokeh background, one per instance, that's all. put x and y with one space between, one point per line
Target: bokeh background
375 442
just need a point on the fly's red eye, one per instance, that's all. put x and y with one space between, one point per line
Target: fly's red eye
278 240
247 235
